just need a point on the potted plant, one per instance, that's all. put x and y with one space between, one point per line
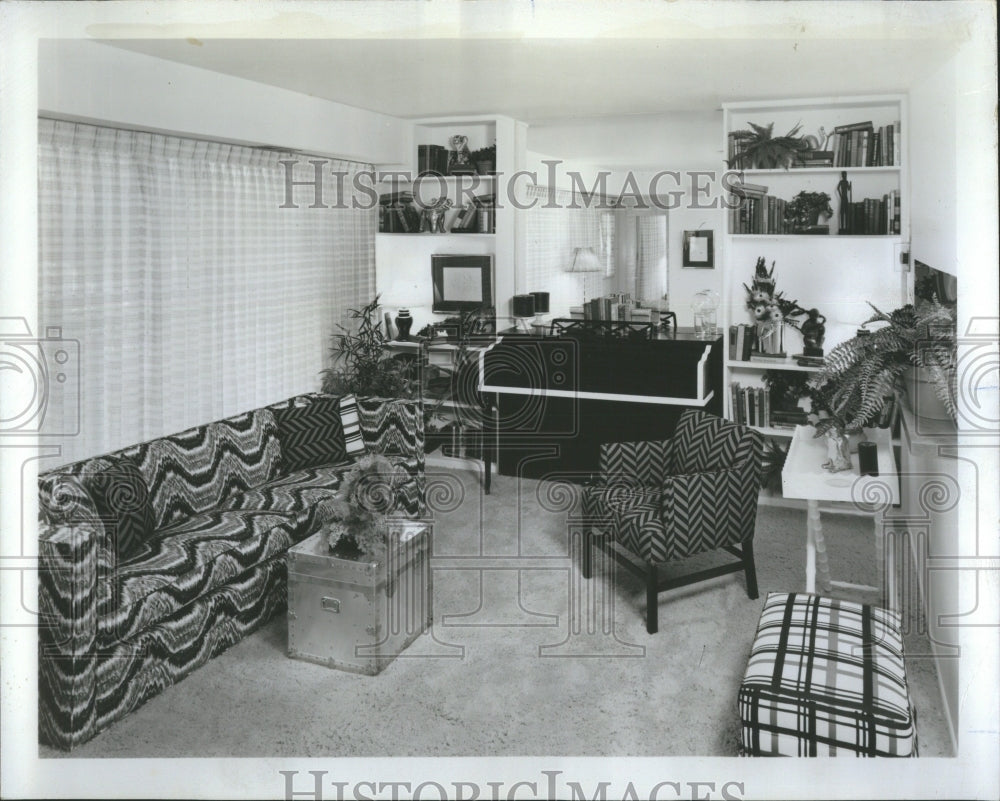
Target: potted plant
361 364
485 159
357 516
862 372
805 209
758 149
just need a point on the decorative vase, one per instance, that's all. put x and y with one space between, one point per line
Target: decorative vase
922 393
403 324
838 451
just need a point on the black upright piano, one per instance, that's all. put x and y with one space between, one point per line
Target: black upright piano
559 397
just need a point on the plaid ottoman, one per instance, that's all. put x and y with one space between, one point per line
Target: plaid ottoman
826 678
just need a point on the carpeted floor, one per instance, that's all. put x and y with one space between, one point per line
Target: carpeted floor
525 658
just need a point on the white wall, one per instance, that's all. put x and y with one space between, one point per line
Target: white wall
95 82
932 158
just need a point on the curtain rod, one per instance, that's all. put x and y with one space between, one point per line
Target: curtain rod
163 132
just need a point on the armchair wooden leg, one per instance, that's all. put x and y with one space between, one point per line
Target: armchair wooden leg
750 569
652 600
586 566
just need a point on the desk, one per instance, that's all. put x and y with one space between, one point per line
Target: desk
804 477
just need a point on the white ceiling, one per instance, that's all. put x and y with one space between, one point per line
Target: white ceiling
538 80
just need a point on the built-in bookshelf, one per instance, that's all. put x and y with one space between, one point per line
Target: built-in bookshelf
475 220
464 193
834 264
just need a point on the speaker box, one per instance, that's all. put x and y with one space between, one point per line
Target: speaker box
868 459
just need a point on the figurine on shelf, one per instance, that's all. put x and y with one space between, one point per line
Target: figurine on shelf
844 194
459 157
432 216
813 333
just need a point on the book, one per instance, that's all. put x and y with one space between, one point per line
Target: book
757 356
390 332
749 340
429 160
855 126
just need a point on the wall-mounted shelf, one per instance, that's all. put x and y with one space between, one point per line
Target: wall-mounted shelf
788 364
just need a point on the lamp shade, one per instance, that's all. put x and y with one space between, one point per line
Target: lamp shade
541 302
585 261
524 306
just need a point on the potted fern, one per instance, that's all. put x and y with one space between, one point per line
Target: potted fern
915 350
758 148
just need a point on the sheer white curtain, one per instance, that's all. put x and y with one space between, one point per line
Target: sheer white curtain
650 256
192 293
554 233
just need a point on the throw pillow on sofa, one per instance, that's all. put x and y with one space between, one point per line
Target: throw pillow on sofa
121 497
354 441
311 435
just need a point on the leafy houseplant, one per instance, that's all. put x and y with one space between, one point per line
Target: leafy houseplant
485 159
361 365
806 207
758 149
863 371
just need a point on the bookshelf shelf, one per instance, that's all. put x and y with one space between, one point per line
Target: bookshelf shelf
429 233
788 364
818 171
821 237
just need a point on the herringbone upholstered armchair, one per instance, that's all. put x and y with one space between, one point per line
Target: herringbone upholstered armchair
665 501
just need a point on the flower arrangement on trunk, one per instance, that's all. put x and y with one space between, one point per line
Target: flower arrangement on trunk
770 309
358 515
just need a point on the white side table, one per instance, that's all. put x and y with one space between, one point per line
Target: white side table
804 477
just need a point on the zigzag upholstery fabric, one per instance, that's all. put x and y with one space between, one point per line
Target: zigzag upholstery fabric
826 678
114 632
637 464
711 504
197 470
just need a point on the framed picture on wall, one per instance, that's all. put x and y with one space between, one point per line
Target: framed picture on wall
699 251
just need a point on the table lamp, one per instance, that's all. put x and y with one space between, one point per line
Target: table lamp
585 261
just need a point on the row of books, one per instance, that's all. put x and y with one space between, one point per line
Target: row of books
758 212
609 308
744 344
479 216
862 145
761 213
752 406
874 216
397 214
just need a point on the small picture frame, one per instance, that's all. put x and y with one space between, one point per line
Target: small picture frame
699 250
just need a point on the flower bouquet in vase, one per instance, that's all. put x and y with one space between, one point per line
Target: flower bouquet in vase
356 519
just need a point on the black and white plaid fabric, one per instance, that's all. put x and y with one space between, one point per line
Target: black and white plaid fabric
826 678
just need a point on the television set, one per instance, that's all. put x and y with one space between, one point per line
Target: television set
461 282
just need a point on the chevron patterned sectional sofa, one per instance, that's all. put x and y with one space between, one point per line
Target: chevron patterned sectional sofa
157 557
